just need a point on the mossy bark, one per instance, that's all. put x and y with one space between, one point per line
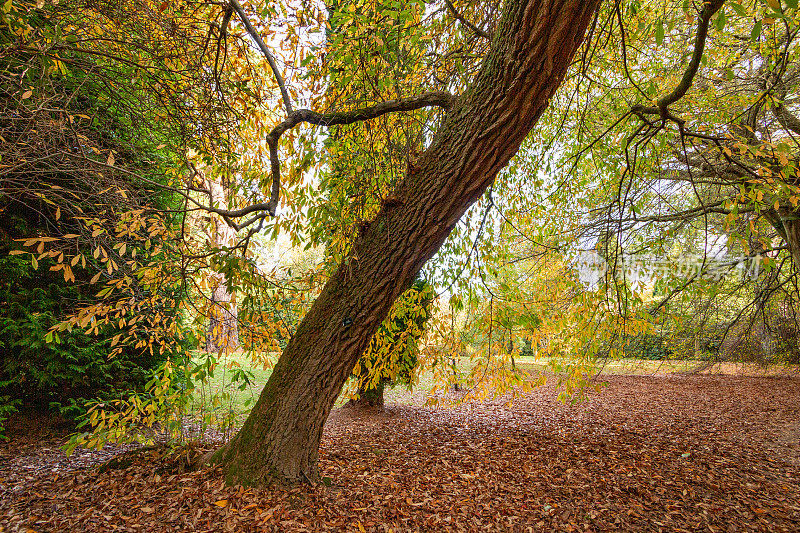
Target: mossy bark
482 130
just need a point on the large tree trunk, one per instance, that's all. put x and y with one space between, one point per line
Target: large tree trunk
482 130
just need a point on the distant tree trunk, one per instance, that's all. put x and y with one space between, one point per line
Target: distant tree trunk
369 396
510 349
483 129
456 386
223 327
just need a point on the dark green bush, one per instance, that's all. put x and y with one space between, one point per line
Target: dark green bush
78 367
646 346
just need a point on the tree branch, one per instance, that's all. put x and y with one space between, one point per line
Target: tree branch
710 7
337 118
287 102
459 17
431 99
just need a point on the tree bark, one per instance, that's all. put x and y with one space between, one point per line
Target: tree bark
223 320
482 130
369 397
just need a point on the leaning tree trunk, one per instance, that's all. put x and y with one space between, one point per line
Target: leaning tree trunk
482 130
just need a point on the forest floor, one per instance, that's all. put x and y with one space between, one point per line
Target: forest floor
647 453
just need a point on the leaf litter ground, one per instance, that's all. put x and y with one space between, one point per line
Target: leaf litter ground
674 453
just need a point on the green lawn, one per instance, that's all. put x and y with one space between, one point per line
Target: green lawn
236 382
230 391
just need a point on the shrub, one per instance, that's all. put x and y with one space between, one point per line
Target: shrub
77 367
646 346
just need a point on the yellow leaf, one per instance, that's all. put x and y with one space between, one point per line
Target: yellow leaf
221 503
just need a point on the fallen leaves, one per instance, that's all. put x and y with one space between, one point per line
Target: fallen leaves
647 454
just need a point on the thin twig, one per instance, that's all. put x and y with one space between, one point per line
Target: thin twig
463 20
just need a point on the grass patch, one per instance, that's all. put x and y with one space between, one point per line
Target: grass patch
236 382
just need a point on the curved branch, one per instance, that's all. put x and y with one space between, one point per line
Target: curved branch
462 19
337 118
710 7
287 102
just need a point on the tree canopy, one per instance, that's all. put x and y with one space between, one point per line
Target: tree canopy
400 138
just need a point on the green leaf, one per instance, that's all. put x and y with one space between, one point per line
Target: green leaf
660 32
720 20
738 8
756 32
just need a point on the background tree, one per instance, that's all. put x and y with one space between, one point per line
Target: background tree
392 355
672 141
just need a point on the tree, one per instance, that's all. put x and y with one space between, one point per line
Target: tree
675 142
481 130
392 355
223 327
